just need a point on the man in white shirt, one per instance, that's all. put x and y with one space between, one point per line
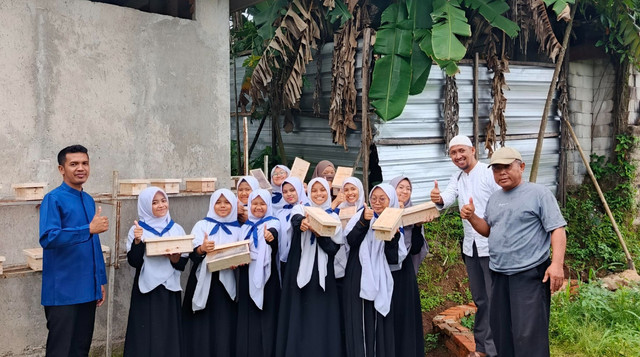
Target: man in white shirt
475 179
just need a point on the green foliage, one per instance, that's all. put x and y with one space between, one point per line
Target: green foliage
558 5
468 321
431 341
621 34
265 14
492 11
256 163
339 14
244 38
591 241
595 322
448 21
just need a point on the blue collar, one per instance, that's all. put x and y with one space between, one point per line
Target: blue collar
224 225
253 232
152 230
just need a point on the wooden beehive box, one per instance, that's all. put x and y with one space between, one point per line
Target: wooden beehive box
2 259
168 245
345 214
300 168
201 184
228 255
34 257
421 213
31 191
167 185
342 173
132 187
262 179
386 226
321 222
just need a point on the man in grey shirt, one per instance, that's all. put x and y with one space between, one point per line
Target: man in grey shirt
474 179
522 221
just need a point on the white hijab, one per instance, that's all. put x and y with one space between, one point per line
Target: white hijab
284 216
202 227
340 262
308 248
260 266
276 190
155 270
408 229
251 181
376 281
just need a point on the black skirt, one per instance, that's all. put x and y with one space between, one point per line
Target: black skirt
407 313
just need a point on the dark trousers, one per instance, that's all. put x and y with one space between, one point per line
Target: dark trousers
70 329
520 313
480 286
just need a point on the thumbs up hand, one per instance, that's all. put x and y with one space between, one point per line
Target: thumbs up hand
435 193
207 245
137 232
99 224
267 235
468 210
368 213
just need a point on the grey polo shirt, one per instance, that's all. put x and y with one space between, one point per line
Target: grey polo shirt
521 222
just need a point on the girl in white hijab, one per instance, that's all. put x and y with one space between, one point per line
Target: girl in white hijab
351 195
154 327
246 185
278 174
368 281
259 284
209 307
293 192
309 323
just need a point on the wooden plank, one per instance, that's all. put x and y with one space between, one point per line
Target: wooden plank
342 173
167 185
168 245
34 256
346 213
386 226
262 179
321 222
30 191
132 187
300 168
201 184
228 255
424 212
2 259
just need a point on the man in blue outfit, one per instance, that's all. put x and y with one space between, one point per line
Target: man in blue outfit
73 272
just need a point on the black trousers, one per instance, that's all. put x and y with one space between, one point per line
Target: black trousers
70 329
480 286
520 306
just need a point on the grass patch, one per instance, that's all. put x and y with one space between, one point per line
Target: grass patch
596 322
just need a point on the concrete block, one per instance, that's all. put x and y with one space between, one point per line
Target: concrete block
582 131
601 146
603 118
636 77
581 68
581 118
582 94
602 131
604 106
580 106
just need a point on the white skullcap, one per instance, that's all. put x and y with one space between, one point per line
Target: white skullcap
460 140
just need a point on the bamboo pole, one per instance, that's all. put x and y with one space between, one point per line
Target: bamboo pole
365 145
476 121
630 263
543 122
112 271
245 144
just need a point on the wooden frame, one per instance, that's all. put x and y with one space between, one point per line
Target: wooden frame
132 187
300 168
262 179
30 191
201 184
168 245
342 173
167 185
424 212
34 257
346 213
2 259
321 222
228 255
388 223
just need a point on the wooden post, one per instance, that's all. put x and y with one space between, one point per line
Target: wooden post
112 271
365 144
266 165
476 123
245 144
543 123
630 263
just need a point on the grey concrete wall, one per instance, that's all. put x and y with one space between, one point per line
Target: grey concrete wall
147 94
591 84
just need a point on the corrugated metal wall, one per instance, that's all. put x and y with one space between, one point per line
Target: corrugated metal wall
421 122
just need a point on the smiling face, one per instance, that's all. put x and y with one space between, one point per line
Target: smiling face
351 193
379 200
258 207
244 189
508 176
403 190
463 156
279 175
328 171
75 170
318 194
289 193
159 205
222 207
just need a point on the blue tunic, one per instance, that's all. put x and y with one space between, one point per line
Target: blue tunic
73 267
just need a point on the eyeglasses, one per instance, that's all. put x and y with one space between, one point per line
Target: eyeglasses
279 173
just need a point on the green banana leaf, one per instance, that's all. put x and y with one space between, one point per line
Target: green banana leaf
448 21
339 13
389 90
267 12
420 63
449 66
558 5
492 11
